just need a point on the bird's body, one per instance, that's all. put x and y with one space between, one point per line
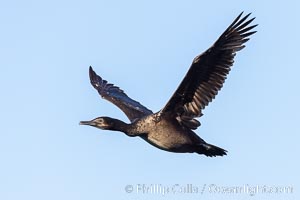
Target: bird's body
171 129
164 133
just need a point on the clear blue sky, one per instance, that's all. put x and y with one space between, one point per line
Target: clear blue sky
145 48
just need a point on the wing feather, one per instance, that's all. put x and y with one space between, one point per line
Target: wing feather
132 109
208 72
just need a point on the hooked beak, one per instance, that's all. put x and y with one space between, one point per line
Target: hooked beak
90 123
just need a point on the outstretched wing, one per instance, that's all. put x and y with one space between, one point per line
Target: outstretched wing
208 73
132 109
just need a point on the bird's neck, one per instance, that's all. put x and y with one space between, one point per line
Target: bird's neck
122 127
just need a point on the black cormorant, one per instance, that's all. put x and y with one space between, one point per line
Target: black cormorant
171 128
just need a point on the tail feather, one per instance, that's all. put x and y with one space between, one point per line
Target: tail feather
210 150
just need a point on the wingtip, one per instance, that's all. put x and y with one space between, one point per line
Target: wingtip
91 72
239 16
245 12
245 17
90 68
248 14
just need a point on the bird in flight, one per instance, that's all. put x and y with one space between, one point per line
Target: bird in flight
171 128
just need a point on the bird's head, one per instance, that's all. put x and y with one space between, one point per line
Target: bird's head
105 123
